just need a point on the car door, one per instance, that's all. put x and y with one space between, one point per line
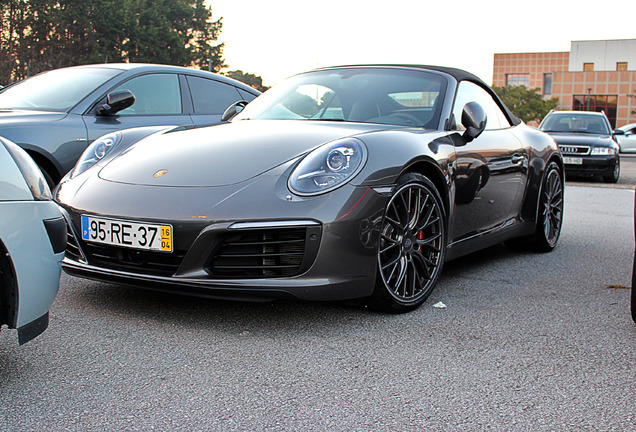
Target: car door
210 99
158 101
628 141
489 171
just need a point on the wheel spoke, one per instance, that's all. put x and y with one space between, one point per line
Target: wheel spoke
388 248
428 241
401 275
392 262
419 257
389 239
393 222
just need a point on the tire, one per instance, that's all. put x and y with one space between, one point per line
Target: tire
48 178
411 247
613 178
550 214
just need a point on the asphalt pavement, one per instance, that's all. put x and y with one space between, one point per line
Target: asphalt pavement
527 342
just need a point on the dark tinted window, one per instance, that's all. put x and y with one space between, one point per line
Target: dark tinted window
211 97
154 94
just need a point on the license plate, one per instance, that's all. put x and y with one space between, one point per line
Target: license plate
134 235
573 160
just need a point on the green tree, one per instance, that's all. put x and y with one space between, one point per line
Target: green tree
38 35
247 78
527 104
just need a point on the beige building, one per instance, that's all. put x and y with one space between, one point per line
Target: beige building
593 75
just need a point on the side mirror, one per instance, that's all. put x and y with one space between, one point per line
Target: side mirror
115 102
233 110
474 120
619 132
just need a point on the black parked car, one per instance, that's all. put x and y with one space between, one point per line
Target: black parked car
339 183
55 115
586 141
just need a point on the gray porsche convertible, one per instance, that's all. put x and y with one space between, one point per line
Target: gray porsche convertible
352 182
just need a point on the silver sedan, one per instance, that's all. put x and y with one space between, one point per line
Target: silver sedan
627 142
32 243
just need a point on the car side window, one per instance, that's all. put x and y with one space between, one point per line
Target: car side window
471 92
154 94
211 97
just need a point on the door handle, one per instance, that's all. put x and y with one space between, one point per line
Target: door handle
516 159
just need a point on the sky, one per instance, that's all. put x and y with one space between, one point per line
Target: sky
278 38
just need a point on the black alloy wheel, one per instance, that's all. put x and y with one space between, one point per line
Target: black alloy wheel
411 246
613 178
550 217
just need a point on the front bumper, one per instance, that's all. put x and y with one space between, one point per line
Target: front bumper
591 165
337 259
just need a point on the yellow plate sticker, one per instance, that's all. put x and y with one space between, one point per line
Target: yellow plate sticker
166 238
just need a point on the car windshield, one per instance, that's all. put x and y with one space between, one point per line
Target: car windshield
368 95
575 123
56 90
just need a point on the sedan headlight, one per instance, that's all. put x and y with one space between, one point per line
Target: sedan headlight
603 151
96 152
328 167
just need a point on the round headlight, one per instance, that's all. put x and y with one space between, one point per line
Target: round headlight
96 152
328 167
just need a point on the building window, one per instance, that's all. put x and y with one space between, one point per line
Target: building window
598 103
621 66
518 80
588 67
547 83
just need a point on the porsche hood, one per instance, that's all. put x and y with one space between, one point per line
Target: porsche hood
225 154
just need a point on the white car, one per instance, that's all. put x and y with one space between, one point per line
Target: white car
32 243
627 141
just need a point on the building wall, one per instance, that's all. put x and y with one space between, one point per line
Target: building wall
604 54
569 80
565 85
533 64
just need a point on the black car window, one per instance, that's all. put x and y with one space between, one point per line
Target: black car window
471 92
211 97
154 94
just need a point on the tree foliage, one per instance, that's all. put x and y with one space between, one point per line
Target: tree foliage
38 35
527 104
251 80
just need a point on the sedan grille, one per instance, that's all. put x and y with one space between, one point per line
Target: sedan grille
575 150
261 254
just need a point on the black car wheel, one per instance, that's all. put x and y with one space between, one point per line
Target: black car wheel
550 217
411 247
613 178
